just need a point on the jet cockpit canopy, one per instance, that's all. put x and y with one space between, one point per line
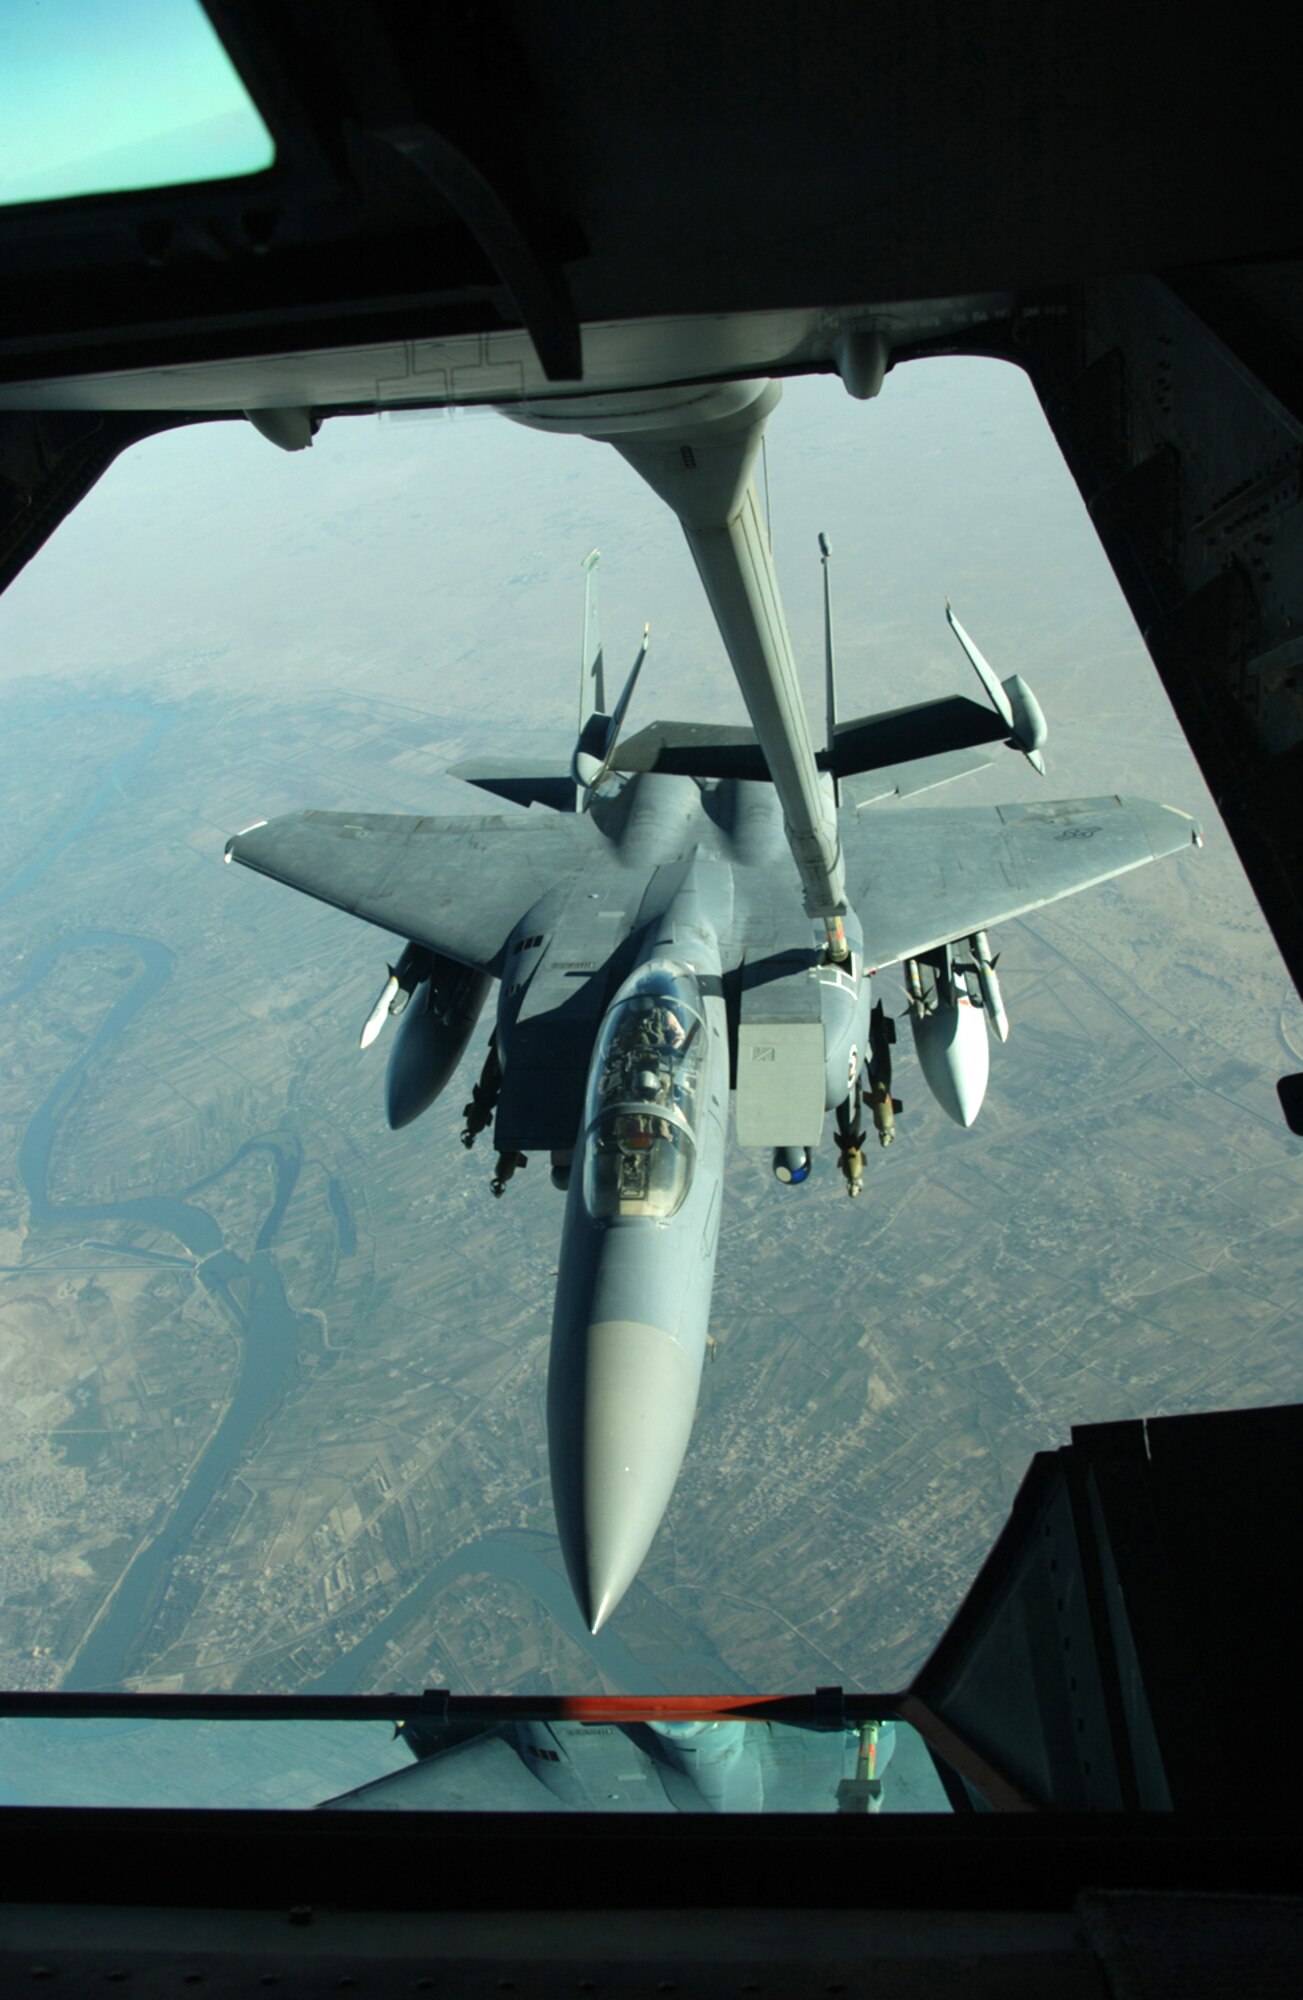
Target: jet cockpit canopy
643 1096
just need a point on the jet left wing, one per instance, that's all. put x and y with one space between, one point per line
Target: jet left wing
921 879
459 886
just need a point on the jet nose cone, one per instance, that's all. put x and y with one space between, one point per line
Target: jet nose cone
621 1399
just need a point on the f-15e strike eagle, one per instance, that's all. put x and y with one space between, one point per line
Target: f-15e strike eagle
656 949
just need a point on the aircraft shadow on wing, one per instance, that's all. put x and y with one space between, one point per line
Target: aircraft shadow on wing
684 914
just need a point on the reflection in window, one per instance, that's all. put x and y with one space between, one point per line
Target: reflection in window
243 1764
643 1097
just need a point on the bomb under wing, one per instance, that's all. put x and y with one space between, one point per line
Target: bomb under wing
667 922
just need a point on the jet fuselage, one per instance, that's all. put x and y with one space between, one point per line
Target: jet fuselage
646 1146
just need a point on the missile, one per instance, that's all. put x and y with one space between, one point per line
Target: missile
989 985
413 966
379 1014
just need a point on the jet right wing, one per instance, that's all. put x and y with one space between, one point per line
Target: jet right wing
919 879
459 886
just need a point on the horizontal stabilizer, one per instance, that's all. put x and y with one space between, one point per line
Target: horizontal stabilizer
694 750
903 735
885 742
521 781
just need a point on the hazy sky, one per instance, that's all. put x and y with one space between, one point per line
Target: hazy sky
436 561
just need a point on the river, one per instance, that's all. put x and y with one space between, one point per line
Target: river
268 1330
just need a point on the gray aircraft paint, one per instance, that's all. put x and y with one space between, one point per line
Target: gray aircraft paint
787 908
469 888
657 1767
633 1293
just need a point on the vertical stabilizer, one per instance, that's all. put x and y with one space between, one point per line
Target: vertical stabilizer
592 679
829 666
1012 700
696 447
769 519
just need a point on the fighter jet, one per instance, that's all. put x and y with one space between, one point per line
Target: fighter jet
725 1766
686 913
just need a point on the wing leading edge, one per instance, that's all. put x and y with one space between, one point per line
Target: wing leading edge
919 879
459 886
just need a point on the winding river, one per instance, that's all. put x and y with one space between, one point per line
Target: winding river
252 1294
267 1325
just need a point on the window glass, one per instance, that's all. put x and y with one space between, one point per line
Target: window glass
103 96
636 1165
238 1764
643 1097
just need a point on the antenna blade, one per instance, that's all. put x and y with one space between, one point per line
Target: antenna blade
985 671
